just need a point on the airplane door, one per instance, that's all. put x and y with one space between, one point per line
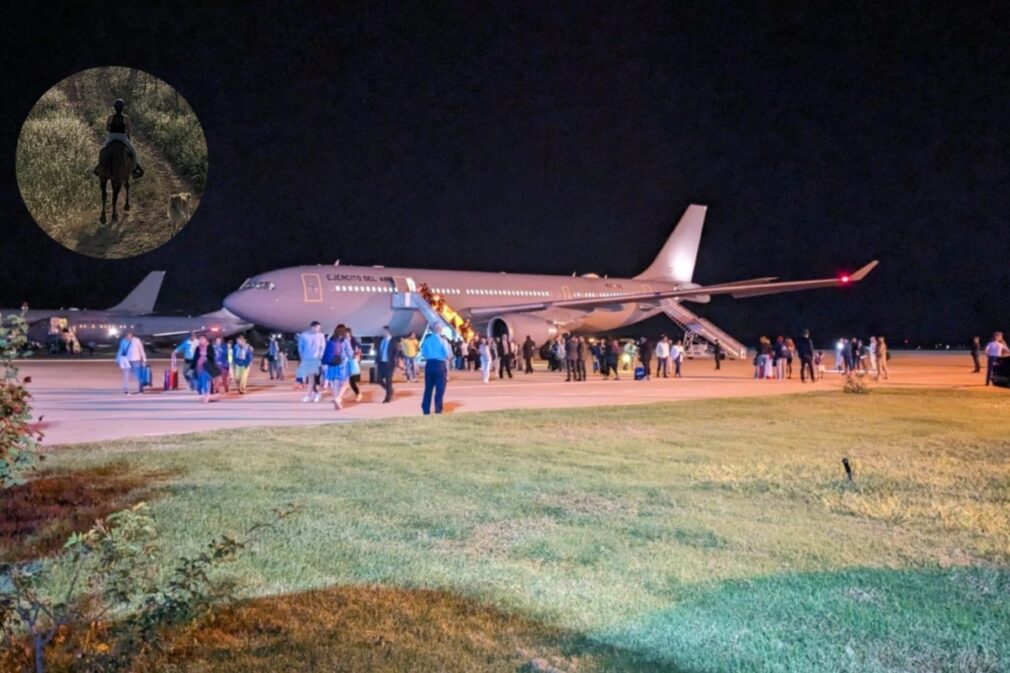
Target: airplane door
312 287
403 284
566 292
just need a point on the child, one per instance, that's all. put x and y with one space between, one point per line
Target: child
819 364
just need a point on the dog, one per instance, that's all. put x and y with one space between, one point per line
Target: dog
178 210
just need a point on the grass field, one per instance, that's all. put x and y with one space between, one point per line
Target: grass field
708 536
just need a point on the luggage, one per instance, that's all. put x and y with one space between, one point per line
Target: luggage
639 373
171 379
145 375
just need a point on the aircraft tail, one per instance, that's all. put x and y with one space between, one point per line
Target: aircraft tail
675 261
141 300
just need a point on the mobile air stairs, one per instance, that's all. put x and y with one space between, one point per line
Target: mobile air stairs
434 308
697 329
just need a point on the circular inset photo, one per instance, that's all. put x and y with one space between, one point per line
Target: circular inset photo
112 162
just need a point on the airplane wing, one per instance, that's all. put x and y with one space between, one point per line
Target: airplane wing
739 289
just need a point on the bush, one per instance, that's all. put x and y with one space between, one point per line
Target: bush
18 439
112 567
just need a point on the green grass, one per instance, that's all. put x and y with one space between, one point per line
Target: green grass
716 535
56 151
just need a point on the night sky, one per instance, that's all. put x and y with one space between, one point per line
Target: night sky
551 138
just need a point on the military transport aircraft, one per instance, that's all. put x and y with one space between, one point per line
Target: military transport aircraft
134 314
366 298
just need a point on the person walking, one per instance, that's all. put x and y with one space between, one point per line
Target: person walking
529 350
311 344
882 355
779 358
585 358
504 356
805 351
677 357
337 355
485 350
436 355
222 358
645 349
137 358
355 367
571 358
123 362
975 348
385 361
614 350
663 357
188 351
717 354
242 357
273 348
408 348
205 366
994 350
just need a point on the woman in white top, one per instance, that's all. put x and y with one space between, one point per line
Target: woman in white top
486 358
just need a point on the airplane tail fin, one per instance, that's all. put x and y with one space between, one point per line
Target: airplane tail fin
141 300
675 261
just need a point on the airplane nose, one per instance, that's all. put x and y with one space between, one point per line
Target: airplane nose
239 303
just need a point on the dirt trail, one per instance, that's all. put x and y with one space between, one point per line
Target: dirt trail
145 226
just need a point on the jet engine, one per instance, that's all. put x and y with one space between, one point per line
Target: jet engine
518 326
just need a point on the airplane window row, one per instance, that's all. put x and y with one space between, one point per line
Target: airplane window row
598 295
508 293
363 288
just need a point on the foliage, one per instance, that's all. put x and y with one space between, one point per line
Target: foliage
112 567
18 439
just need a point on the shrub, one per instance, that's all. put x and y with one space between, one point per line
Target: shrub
18 439
112 567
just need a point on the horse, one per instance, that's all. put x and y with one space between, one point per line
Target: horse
115 163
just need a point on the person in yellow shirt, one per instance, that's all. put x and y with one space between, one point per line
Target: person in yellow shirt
409 348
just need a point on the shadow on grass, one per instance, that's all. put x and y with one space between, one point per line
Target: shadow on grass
37 517
862 620
379 629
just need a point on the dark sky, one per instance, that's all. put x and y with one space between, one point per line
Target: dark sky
550 137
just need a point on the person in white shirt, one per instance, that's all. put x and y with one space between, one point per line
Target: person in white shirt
995 350
677 355
663 357
137 358
311 344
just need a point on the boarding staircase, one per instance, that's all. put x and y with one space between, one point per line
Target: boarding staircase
434 308
698 329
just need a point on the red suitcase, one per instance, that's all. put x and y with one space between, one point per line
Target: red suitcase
171 381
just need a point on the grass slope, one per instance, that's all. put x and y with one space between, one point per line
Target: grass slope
714 535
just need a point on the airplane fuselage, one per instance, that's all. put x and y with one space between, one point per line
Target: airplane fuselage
104 328
361 297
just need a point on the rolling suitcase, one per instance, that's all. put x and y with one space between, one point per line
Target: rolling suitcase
171 381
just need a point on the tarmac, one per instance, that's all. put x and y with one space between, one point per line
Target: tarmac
81 400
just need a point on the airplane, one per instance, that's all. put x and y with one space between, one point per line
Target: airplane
134 314
542 306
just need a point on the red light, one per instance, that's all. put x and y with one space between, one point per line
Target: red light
845 279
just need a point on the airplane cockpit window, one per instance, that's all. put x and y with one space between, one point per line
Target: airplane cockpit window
257 285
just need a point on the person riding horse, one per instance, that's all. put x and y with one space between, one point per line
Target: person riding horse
118 128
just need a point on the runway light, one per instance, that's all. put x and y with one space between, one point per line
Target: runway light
845 278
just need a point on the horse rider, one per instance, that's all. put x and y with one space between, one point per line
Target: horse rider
118 128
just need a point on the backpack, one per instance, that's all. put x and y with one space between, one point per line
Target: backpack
335 353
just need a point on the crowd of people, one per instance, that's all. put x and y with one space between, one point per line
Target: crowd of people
331 365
